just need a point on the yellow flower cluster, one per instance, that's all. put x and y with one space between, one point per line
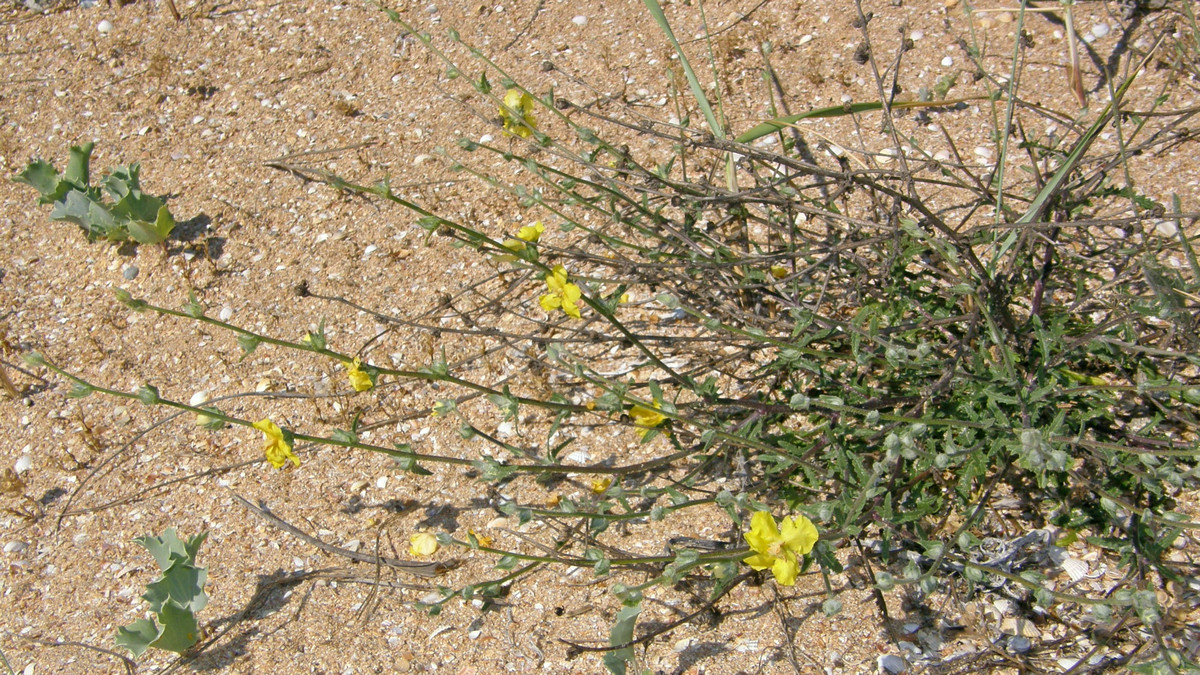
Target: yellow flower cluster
359 378
780 548
517 113
277 449
563 294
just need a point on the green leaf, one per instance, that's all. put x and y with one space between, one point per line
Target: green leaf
148 395
410 465
167 549
618 660
492 471
182 584
248 343
693 82
192 307
179 629
78 162
137 636
43 177
87 211
156 232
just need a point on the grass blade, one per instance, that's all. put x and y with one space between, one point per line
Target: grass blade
697 91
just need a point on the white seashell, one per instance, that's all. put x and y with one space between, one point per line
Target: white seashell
1076 569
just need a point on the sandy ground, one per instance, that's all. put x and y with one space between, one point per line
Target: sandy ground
204 103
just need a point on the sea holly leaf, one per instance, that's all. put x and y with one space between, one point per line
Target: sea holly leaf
618 660
43 177
193 545
137 636
166 549
180 630
182 585
87 211
164 224
78 163
123 181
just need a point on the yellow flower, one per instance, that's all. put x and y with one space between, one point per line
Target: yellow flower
779 271
528 233
563 294
531 233
277 449
646 418
422 544
780 548
600 485
517 113
485 542
359 379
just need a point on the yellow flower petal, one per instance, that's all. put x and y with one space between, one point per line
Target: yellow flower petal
647 418
486 542
762 533
799 535
531 233
359 379
550 302
779 271
785 570
277 449
600 485
517 113
514 245
422 544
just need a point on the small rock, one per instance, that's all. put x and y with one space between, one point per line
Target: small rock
1165 228
226 313
580 20
130 272
25 462
916 35
947 61
15 547
105 26
1100 30
682 645
890 663
1020 645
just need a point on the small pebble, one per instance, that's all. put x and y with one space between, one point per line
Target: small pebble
947 61
1100 30
226 313
580 20
105 26
1020 645
1166 228
130 272
890 663
916 35
25 462
805 39
15 547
